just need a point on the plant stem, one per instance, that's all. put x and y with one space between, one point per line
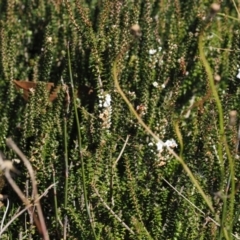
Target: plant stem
80 146
222 140
66 174
149 131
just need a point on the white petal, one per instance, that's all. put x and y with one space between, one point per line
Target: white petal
160 146
152 51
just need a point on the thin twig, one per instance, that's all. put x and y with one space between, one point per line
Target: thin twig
45 192
24 200
120 154
14 217
22 211
42 226
209 218
12 145
183 196
113 213
4 216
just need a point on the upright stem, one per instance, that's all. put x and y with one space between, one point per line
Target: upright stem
66 175
222 142
80 147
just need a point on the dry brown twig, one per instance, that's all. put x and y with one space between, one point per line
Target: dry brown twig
7 166
18 213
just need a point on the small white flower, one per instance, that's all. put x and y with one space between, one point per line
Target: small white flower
159 49
163 86
238 75
152 51
155 84
170 143
132 94
160 146
107 102
108 97
49 39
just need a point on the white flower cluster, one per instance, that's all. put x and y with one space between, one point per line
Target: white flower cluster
106 111
155 84
163 157
169 143
105 101
155 57
153 51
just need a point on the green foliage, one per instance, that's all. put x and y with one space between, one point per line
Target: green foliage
111 181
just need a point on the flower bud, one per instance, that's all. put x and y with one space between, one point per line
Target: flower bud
136 30
233 118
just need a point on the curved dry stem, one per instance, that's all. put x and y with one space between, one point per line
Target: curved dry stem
41 226
157 139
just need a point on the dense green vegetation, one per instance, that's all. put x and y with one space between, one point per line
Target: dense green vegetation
127 75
